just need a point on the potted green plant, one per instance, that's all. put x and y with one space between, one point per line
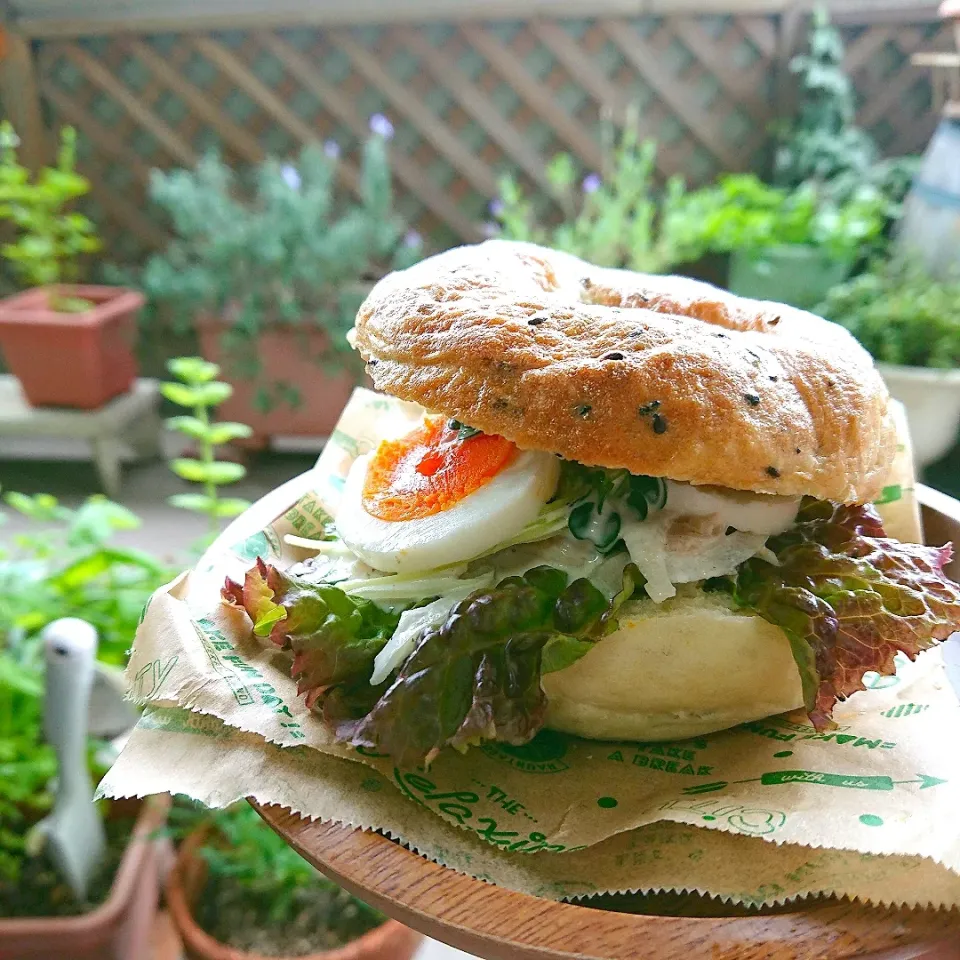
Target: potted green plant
823 144
272 267
197 390
910 323
238 892
616 217
70 344
785 245
69 568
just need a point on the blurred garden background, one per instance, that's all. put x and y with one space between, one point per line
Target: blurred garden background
226 179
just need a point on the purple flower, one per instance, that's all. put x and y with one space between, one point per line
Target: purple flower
490 229
291 176
591 183
381 126
412 239
332 149
496 207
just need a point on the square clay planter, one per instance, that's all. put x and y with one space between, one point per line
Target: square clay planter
78 360
289 354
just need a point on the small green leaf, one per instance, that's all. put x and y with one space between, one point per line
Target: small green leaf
196 502
191 426
213 394
265 623
223 472
181 395
193 470
562 651
218 473
201 395
193 370
226 430
231 507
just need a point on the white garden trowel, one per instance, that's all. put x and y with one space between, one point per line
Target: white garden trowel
73 832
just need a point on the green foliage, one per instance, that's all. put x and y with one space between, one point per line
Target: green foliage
27 764
275 879
67 566
900 314
282 244
619 220
197 389
824 144
743 213
50 237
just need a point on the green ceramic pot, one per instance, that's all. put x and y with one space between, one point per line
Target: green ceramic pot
794 274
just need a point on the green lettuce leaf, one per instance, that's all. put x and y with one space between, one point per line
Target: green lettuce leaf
848 598
334 638
476 677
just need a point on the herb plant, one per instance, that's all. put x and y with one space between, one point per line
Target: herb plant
27 763
616 218
741 213
900 314
67 566
823 144
51 237
260 894
198 390
64 566
282 243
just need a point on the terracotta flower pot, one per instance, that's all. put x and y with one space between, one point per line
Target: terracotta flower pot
120 928
71 359
287 354
389 941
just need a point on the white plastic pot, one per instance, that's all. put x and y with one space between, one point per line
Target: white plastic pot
932 401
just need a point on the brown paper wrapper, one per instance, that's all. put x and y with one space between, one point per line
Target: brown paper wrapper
858 811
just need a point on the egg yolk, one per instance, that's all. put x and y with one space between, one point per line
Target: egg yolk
430 470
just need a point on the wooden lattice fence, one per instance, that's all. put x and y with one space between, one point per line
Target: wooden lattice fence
468 100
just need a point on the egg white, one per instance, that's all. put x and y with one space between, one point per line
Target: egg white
490 515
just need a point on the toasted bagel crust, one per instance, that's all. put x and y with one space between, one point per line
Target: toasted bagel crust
662 375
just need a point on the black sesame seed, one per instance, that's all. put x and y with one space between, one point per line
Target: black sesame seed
729 530
773 472
583 410
648 408
659 423
586 283
616 355
752 399
535 320
798 449
722 336
372 363
773 378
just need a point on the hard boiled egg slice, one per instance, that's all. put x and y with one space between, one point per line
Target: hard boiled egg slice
431 498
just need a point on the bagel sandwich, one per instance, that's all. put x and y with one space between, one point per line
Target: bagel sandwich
636 507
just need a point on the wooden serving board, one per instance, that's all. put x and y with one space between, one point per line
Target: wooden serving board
498 924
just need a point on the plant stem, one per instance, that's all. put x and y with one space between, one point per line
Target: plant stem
206 455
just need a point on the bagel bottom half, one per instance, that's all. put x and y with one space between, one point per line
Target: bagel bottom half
679 669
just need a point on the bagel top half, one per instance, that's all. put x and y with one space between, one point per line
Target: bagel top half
664 376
